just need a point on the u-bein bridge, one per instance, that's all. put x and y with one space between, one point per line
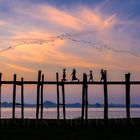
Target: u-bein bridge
60 85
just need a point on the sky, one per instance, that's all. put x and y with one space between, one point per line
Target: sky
50 35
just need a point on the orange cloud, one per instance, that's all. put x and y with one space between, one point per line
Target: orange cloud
32 53
56 55
21 68
80 20
60 17
76 19
97 20
110 21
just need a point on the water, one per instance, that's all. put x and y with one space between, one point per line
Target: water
51 113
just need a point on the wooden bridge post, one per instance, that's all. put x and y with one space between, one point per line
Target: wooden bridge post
38 95
58 102
22 100
84 113
58 99
127 80
42 87
0 93
14 96
63 102
105 96
86 98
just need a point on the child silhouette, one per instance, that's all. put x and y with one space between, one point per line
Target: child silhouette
74 75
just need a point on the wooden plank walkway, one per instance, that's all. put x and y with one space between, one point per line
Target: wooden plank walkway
72 83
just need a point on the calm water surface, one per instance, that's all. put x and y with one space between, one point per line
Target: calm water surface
51 113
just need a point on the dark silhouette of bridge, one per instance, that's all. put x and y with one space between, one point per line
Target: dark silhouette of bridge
60 86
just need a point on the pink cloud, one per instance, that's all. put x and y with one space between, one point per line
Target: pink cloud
3 23
60 17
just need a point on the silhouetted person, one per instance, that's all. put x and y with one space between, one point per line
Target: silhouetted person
74 75
90 76
102 75
64 75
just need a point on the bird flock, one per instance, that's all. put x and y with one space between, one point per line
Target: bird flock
71 37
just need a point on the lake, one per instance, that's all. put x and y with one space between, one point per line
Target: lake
51 113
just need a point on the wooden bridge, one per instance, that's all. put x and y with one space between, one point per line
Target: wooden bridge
60 85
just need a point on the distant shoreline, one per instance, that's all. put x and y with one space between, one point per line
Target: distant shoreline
49 104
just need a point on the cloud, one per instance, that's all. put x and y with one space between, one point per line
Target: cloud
3 23
95 20
20 68
47 22
76 19
60 17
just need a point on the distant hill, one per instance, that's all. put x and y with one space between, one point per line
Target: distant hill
49 104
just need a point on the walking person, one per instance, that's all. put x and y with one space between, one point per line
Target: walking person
74 75
90 76
64 76
102 75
